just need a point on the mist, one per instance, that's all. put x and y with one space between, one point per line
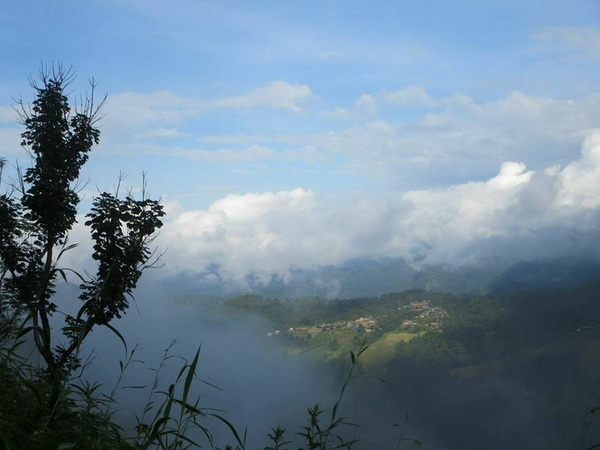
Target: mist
517 404
242 374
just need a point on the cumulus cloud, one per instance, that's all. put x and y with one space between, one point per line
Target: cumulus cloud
278 94
272 232
579 180
243 233
366 103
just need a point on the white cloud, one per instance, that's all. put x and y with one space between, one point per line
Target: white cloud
454 133
456 130
521 115
461 132
366 103
272 232
579 180
152 106
447 220
159 114
245 232
410 96
278 94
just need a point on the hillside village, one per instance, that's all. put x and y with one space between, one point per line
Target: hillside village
427 316
362 324
419 316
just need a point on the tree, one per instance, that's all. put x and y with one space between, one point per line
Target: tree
37 215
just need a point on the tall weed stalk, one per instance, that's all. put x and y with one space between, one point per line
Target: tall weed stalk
171 416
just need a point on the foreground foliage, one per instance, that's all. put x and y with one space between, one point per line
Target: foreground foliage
37 213
45 401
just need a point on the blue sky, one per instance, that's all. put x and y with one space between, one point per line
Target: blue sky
317 107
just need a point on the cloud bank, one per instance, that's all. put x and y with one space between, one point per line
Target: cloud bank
523 212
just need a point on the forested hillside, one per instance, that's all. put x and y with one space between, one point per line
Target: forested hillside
467 372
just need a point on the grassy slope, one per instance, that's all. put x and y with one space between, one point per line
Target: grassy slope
381 351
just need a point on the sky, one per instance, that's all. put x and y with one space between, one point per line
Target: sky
285 134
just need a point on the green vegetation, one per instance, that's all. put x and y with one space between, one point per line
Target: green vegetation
331 328
46 405
381 352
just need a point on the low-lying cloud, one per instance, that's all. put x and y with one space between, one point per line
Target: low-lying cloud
519 212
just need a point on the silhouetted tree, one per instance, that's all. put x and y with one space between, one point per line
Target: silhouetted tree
40 211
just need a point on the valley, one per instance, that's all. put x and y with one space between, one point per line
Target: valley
522 360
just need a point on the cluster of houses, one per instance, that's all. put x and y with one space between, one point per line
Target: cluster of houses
368 323
331 326
426 316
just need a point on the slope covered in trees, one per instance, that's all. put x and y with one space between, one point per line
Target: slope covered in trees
470 372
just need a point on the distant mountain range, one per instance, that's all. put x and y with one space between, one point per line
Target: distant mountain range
365 277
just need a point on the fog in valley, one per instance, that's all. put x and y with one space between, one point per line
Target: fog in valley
513 404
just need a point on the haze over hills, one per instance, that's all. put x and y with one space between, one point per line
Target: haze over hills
363 277
514 363
516 369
